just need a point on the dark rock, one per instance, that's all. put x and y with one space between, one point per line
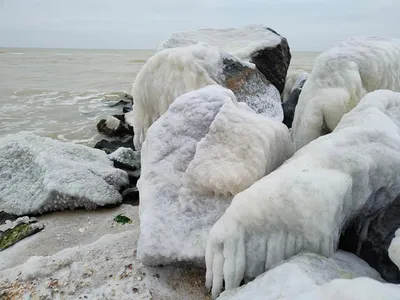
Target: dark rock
110 146
289 106
274 62
114 126
126 109
374 247
5 216
120 102
127 96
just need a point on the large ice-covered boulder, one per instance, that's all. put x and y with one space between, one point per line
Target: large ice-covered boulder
256 43
173 72
39 174
300 274
342 76
204 150
304 205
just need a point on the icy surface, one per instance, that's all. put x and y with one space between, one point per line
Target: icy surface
240 42
304 204
41 174
394 249
112 122
293 81
196 157
340 77
173 72
300 274
355 289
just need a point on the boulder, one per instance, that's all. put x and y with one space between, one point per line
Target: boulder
41 174
111 145
300 274
204 150
258 44
173 72
294 80
114 126
289 106
376 238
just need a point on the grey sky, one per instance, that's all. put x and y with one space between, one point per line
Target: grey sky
307 24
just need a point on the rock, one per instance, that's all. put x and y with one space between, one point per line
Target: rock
41 174
113 126
120 102
394 249
183 69
129 161
110 146
289 106
294 80
204 150
302 273
13 232
306 204
6 217
375 241
258 44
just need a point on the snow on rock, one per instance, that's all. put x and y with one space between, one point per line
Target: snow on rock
105 269
173 72
300 274
41 174
355 289
255 43
294 80
340 77
205 149
394 249
305 204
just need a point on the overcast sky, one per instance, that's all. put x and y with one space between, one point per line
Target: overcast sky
127 24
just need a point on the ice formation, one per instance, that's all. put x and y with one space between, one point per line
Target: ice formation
355 289
294 79
304 204
340 78
173 72
300 274
394 249
206 148
40 174
241 42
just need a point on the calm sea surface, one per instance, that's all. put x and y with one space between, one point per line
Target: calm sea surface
63 93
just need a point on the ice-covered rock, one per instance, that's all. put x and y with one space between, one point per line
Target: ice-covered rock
256 43
205 149
294 80
40 174
355 289
114 126
375 245
306 203
300 274
341 77
394 249
173 72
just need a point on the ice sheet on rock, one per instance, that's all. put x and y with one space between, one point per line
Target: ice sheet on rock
240 42
305 204
353 289
300 274
394 249
340 78
41 174
172 72
180 196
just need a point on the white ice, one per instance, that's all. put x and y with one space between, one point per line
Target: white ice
304 204
205 149
40 174
240 42
394 249
300 274
340 77
293 81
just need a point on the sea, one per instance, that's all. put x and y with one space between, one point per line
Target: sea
63 93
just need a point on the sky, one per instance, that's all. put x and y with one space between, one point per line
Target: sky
308 25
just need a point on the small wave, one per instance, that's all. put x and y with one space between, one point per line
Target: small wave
17 53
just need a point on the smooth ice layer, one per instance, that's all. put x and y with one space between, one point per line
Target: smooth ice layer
394 249
205 149
240 42
173 72
40 174
355 289
300 274
340 77
304 204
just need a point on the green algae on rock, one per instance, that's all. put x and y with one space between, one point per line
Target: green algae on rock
19 232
